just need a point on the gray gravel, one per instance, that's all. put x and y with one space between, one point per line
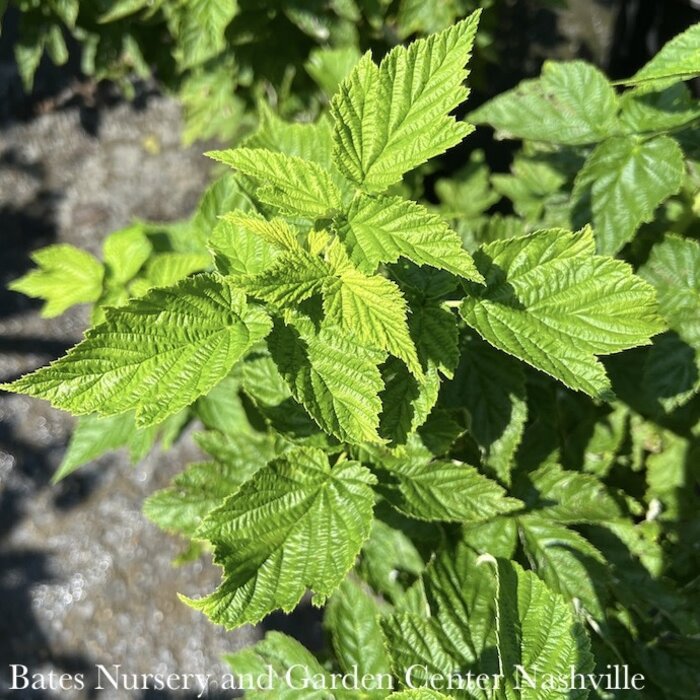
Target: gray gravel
84 578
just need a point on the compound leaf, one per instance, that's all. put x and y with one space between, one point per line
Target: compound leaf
157 354
297 523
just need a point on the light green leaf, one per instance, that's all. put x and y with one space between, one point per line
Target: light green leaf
673 268
289 183
567 562
490 386
373 310
239 251
679 59
553 304
157 354
276 232
310 141
290 279
223 195
297 523
95 435
66 276
622 183
125 252
449 492
335 379
193 494
537 631
567 497
165 269
352 615
382 229
571 103
201 32
328 67
390 119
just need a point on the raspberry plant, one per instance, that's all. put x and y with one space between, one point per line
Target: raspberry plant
480 450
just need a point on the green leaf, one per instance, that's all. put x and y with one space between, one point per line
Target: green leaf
328 67
679 59
122 8
406 401
125 252
390 561
458 633
390 119
491 387
289 183
566 562
201 32
193 494
239 251
449 492
352 615
571 103
276 232
66 276
382 229
284 659
223 195
297 523
566 497
553 304
310 141
95 435
652 110
673 268
622 183
373 310
537 631
434 329
29 49
157 354
290 279
165 269
335 379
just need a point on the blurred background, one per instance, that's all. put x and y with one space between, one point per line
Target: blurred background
84 577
